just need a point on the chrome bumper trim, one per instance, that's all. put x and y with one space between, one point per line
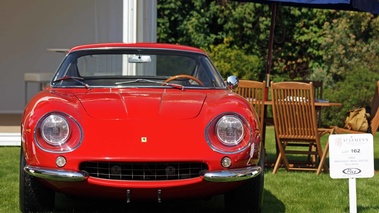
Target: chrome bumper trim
233 175
56 174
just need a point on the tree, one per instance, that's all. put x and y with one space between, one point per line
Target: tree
231 61
208 24
194 23
338 47
351 61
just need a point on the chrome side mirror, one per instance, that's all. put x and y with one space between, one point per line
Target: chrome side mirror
232 82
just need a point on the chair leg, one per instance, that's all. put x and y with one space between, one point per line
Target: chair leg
281 156
322 161
310 155
277 163
312 148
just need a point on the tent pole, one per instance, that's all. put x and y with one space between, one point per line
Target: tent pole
268 66
271 43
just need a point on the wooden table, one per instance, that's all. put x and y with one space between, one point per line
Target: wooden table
317 104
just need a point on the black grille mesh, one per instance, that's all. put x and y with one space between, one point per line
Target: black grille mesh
143 171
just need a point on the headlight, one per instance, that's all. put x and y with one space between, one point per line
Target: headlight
58 132
55 129
229 133
229 130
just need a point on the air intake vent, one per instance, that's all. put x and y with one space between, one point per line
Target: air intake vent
143 171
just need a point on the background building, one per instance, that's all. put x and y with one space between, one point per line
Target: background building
32 31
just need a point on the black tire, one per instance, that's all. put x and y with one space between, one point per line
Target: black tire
34 196
247 198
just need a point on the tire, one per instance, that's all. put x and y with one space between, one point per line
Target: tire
247 198
34 196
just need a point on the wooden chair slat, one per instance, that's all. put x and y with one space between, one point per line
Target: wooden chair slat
253 91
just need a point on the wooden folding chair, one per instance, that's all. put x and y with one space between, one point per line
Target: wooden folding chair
253 91
295 125
317 91
374 118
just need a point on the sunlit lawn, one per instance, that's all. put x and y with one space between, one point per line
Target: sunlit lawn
307 192
284 192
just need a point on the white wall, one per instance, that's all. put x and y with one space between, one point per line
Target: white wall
29 27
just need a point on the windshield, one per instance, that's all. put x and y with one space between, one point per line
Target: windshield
137 68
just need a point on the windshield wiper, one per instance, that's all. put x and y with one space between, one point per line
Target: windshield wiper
74 78
177 86
138 80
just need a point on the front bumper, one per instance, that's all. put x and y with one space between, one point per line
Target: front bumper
56 174
230 175
233 175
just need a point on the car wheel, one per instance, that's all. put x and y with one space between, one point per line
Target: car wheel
248 197
34 196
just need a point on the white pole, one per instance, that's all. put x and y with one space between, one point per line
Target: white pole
139 25
353 195
129 31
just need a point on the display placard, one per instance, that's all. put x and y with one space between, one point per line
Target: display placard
351 155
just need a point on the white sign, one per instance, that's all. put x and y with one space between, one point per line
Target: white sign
351 155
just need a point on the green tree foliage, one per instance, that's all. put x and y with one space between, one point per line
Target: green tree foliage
230 61
207 24
196 23
351 62
338 47
356 91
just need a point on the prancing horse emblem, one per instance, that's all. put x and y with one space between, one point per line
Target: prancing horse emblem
143 139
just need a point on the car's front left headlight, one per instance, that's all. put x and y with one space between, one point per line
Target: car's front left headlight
58 132
230 130
229 133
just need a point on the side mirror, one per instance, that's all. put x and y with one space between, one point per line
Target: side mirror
232 82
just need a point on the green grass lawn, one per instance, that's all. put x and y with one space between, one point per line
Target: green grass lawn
291 192
9 176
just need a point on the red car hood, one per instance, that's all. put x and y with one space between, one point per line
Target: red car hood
149 104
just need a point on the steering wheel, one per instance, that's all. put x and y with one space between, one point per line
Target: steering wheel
182 76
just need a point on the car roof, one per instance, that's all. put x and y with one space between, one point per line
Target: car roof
137 45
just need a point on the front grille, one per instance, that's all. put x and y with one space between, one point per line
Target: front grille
143 171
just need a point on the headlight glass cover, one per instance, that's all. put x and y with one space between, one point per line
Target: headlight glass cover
58 132
55 129
230 130
228 133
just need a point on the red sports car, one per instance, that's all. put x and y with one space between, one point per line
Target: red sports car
142 121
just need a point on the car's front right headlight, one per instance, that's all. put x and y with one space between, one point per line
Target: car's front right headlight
55 129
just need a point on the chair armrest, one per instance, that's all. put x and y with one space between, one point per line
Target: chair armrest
323 131
340 130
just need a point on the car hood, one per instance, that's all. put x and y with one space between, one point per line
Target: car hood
141 105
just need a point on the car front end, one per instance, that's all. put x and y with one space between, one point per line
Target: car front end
133 141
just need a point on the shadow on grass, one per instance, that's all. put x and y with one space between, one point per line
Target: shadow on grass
70 204
376 164
366 209
65 204
272 204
